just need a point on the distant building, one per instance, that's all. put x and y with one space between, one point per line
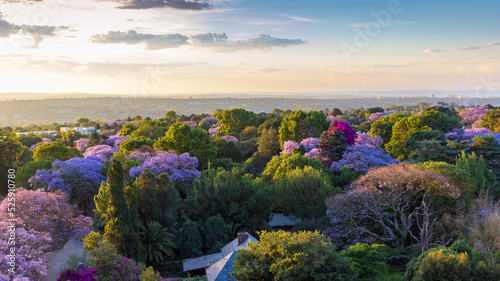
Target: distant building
448 95
81 130
433 96
52 133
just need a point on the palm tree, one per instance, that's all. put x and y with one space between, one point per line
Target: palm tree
157 241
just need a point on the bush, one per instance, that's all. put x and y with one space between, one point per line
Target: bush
440 264
367 261
80 274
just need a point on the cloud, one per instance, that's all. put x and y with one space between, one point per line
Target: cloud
151 4
217 42
150 41
301 19
264 70
37 32
395 22
469 48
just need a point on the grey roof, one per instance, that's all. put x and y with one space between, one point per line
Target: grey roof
201 262
279 219
233 245
221 271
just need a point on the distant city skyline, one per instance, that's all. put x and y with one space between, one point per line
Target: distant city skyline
151 47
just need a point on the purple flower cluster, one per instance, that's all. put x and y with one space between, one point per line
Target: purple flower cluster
230 138
82 274
69 174
314 153
82 143
191 124
211 120
331 118
100 152
213 131
469 134
343 126
472 115
362 157
364 138
310 143
289 146
375 116
122 269
136 155
181 168
120 123
115 140
44 141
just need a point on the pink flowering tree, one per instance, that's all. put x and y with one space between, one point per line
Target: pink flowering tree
115 140
289 147
376 116
314 153
364 138
398 204
361 158
100 152
191 124
343 126
44 141
468 135
213 131
81 144
230 138
45 220
472 115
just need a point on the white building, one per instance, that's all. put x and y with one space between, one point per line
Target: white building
81 130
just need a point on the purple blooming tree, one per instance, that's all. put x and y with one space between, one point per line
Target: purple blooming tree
343 126
472 115
361 158
314 153
191 124
364 138
211 120
115 140
81 144
181 168
375 116
331 119
230 138
397 204
289 147
469 134
310 143
79 178
44 141
100 152
213 131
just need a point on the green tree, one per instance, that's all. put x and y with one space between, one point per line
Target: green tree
237 198
491 120
440 121
189 239
157 242
181 138
148 129
401 132
383 127
478 172
70 136
489 149
281 165
268 143
29 170
29 139
303 192
136 143
94 139
10 150
127 129
291 256
299 125
368 261
426 146
214 232
226 149
55 150
117 219
235 120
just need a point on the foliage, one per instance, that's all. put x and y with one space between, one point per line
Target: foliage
470 116
469 134
249 133
94 139
489 148
79 178
91 240
214 233
360 158
281 165
332 146
383 127
268 143
309 144
115 213
136 143
127 129
157 242
235 120
111 266
189 239
247 148
291 256
55 150
42 142
402 130
289 147
367 261
226 149
27 171
491 120
343 126
302 192
181 138
440 121
475 167
397 204
364 138
149 275
10 150
148 129
237 198
299 125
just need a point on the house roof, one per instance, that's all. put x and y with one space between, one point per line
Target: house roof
221 271
233 245
279 219
201 262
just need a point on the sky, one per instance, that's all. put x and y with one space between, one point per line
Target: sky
172 47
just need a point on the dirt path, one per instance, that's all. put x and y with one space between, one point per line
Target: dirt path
57 259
